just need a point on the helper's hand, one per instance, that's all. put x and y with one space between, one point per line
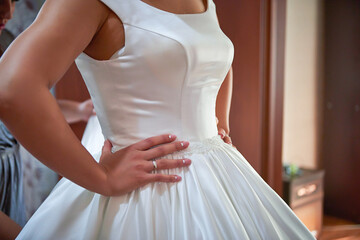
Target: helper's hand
86 110
132 167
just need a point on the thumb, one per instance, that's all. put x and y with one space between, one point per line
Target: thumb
221 132
106 149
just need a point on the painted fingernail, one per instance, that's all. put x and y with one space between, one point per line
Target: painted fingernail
186 161
177 178
184 144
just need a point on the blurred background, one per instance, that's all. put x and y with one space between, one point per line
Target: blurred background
295 112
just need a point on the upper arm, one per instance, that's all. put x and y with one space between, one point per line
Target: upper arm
44 52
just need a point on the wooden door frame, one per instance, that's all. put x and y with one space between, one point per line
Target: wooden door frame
273 55
257 29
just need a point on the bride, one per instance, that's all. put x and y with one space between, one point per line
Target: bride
158 73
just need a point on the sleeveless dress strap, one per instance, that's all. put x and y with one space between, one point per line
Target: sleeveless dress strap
133 11
124 9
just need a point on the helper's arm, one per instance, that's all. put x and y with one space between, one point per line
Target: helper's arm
76 111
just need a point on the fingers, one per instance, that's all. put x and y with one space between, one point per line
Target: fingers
162 164
227 139
162 178
222 133
165 149
224 136
153 141
106 149
88 102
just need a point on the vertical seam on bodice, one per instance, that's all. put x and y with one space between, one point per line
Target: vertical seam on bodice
186 52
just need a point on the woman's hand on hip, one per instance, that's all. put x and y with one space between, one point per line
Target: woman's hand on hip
133 167
225 137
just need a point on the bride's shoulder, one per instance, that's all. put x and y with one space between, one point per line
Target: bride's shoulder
75 8
72 13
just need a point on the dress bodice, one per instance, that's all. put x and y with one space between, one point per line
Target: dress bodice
166 77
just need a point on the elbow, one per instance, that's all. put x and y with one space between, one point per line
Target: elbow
8 95
6 101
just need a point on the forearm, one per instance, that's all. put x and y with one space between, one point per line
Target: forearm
33 116
70 109
8 228
223 102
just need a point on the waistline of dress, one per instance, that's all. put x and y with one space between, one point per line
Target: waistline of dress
195 147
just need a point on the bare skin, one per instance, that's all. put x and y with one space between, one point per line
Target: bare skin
8 228
39 58
223 103
76 111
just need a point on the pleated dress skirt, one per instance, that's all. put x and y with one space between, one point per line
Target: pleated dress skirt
220 197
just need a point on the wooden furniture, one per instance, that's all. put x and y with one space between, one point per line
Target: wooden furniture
340 153
344 232
304 194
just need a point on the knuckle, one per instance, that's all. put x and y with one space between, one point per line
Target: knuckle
139 166
160 151
134 154
179 163
126 151
137 155
129 148
160 164
149 141
141 179
157 177
169 178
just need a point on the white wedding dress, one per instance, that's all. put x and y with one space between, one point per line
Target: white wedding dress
165 80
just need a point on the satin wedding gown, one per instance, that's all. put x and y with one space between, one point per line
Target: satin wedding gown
165 80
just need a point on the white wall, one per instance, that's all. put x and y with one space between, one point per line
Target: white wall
303 70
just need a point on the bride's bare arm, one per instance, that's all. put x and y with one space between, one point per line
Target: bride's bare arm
36 60
223 103
8 228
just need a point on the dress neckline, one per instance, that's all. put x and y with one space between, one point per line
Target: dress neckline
207 7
